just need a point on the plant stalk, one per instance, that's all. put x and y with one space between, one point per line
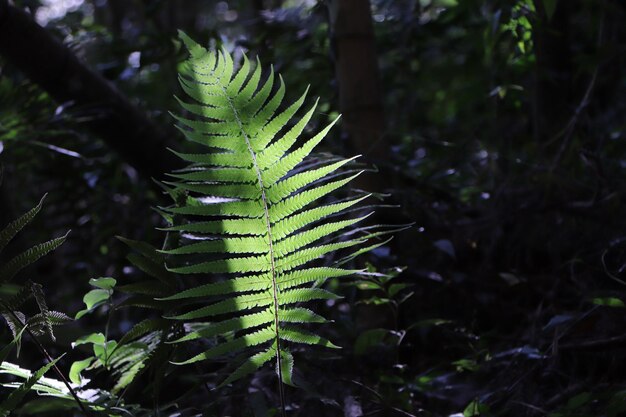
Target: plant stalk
49 358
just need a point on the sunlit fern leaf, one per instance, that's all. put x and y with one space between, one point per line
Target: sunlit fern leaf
128 361
249 209
42 323
15 320
43 319
55 398
16 396
38 324
286 364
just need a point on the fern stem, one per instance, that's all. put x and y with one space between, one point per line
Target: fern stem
281 390
48 357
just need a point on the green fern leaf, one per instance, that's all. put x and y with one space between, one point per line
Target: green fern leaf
251 365
245 206
14 227
141 329
215 329
13 400
23 295
16 342
286 365
29 256
15 320
44 316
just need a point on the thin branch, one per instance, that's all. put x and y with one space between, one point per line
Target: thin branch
568 131
49 358
602 344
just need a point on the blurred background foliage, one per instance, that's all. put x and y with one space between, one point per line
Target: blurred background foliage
505 143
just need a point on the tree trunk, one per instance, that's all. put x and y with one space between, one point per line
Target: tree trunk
356 66
553 70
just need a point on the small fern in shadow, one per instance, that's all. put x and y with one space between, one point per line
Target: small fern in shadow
10 304
12 300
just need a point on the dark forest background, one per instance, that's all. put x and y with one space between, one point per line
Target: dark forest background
497 127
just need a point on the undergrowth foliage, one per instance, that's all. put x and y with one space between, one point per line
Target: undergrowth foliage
13 299
251 238
244 208
10 304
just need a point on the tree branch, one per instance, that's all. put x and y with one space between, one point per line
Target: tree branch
54 67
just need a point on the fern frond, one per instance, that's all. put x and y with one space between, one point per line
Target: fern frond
56 398
245 206
13 400
44 317
16 342
16 301
29 256
141 329
15 226
15 320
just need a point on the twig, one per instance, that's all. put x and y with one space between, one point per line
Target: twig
568 131
611 342
563 394
532 407
605 267
382 400
49 358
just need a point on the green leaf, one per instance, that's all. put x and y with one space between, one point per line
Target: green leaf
579 400
299 336
105 283
250 365
476 409
48 405
466 365
6 350
93 338
369 339
16 396
617 404
235 345
13 228
286 367
445 3
92 300
396 288
142 328
550 7
28 257
245 322
104 351
608 302
77 368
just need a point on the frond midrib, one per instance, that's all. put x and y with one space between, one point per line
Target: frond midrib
264 201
